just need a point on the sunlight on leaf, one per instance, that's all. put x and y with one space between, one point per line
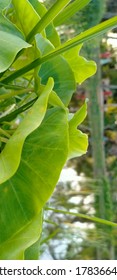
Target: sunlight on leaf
17 244
10 45
26 14
10 156
24 195
81 67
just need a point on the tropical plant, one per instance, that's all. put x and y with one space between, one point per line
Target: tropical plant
38 135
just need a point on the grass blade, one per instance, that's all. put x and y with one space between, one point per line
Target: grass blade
69 11
47 18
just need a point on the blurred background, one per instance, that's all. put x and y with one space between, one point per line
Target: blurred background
88 184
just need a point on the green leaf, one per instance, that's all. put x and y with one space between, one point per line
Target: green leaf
23 196
90 34
8 27
28 56
81 67
4 4
10 156
78 141
26 14
83 37
32 253
11 42
15 246
10 45
59 69
70 10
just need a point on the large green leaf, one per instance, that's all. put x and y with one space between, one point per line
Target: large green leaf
8 27
26 19
59 69
26 14
10 156
23 196
15 246
11 42
81 67
28 55
10 45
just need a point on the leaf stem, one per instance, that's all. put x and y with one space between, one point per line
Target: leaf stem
5 133
14 93
20 110
83 216
11 86
47 18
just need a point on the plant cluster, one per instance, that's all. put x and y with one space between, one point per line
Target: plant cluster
38 76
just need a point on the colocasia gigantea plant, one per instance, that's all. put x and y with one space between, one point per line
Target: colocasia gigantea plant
38 76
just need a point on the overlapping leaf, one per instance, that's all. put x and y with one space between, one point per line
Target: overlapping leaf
10 45
27 16
47 18
23 196
83 37
10 156
14 248
47 140
11 42
59 69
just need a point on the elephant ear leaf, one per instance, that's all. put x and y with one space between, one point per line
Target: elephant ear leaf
81 67
78 141
11 42
10 156
23 196
10 45
59 69
26 15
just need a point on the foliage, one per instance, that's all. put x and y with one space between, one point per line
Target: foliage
37 132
